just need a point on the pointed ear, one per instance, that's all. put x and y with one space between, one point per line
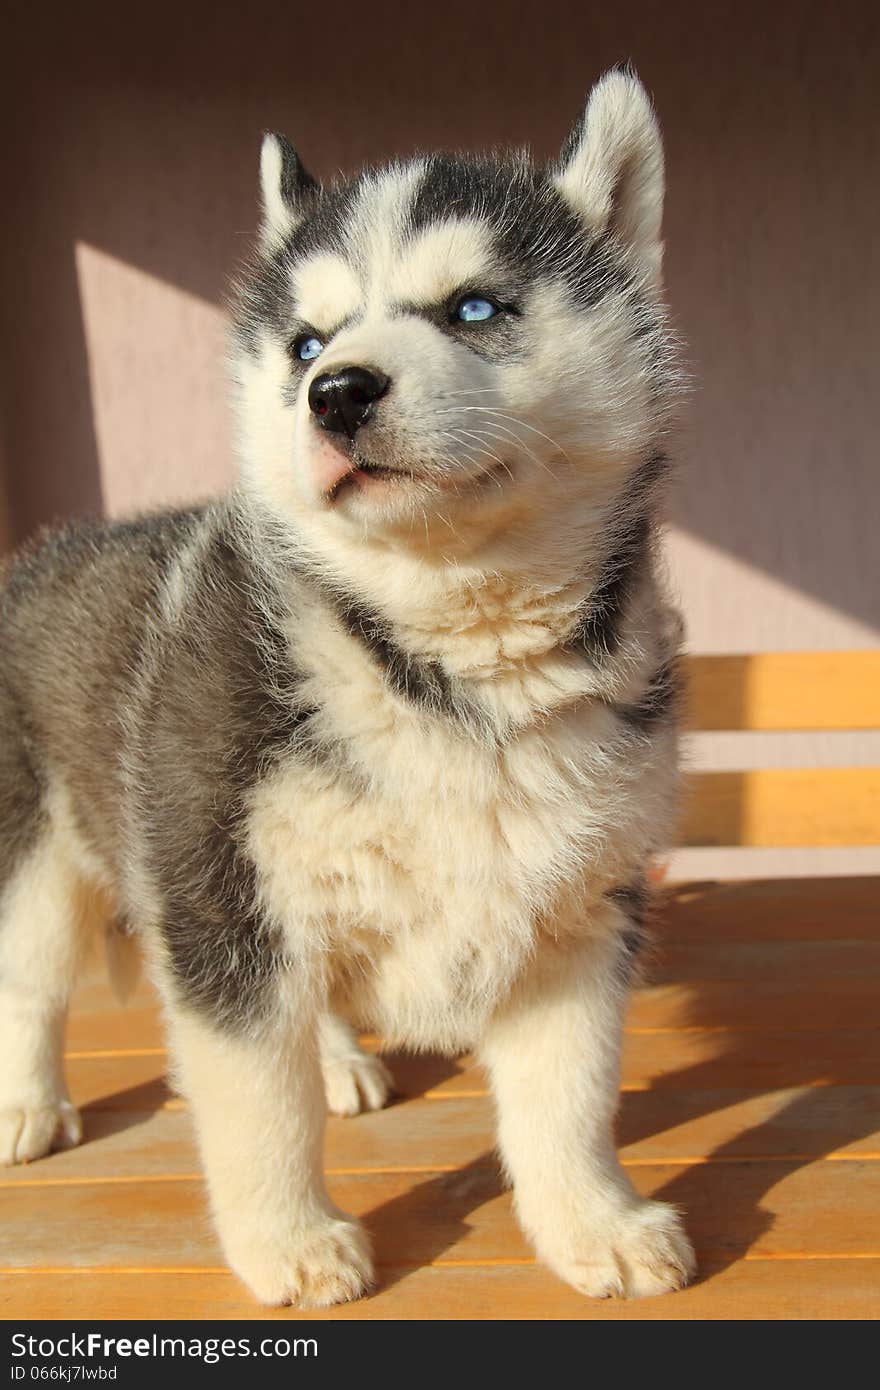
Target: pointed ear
611 167
286 187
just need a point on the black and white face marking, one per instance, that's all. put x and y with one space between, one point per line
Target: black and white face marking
469 308
512 314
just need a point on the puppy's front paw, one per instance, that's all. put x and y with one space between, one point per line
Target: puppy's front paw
324 1264
30 1131
635 1253
355 1081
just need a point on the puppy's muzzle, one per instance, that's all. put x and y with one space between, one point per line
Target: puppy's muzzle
343 400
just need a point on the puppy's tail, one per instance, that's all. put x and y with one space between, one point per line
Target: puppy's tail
123 961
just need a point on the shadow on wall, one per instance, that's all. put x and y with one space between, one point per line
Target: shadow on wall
141 140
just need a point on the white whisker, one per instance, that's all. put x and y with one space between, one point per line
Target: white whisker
503 432
503 415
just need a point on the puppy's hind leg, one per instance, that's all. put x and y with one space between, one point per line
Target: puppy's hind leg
353 1079
42 917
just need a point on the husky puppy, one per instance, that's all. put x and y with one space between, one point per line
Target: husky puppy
387 737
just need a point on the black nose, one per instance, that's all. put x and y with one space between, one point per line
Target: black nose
343 400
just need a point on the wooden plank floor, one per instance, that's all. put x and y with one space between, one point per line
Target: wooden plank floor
751 1098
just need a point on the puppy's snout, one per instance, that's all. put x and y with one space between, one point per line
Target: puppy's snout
343 400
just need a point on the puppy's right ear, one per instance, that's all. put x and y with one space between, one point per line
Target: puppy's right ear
287 189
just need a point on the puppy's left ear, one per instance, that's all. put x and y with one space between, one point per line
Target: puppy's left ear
287 190
611 167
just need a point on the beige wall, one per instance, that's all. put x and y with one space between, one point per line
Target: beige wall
6 529
131 189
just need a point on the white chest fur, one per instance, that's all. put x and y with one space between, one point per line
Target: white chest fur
418 864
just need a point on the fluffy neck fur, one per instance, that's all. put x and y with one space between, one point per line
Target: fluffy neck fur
498 607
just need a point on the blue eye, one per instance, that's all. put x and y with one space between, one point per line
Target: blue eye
476 310
307 347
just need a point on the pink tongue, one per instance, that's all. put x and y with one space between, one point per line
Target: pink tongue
330 464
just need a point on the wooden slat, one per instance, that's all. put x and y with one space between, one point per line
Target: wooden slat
665 1126
783 808
715 1059
785 690
720 1058
771 1059
120 1083
116 1028
760 1004
780 1209
743 960
765 910
721 1126
787 1290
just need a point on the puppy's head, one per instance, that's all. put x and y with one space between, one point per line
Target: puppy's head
473 339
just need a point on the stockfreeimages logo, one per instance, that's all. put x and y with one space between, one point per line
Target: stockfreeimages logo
90 1346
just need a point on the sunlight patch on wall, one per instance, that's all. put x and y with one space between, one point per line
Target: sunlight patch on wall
158 385
733 606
